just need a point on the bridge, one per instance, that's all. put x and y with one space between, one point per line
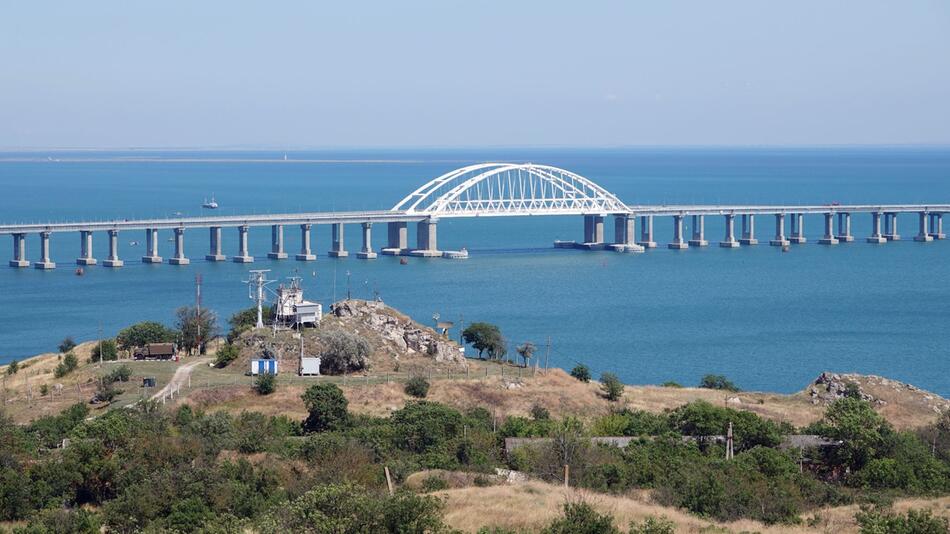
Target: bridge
487 190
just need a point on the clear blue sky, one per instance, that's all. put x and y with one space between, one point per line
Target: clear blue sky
450 73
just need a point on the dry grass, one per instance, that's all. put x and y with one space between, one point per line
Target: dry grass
531 505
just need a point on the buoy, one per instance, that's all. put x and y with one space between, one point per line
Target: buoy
80 272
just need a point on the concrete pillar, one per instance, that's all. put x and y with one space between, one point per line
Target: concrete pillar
798 229
748 230
366 252
277 242
699 232
829 237
426 244
305 253
151 247
678 242
844 228
242 255
876 236
113 259
45 262
890 227
646 232
397 239
337 248
85 247
179 257
598 227
923 234
19 251
779 240
214 254
729 240
936 226
588 229
624 230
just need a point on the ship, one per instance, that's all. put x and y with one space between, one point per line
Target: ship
212 205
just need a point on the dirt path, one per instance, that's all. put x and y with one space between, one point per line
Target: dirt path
180 377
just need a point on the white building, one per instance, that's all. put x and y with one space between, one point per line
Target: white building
291 308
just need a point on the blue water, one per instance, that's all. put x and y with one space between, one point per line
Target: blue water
768 320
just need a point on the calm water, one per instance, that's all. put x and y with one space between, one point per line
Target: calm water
765 319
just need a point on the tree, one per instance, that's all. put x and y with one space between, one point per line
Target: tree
717 382
246 319
874 521
864 433
485 337
106 391
265 384
68 365
418 387
196 327
67 345
327 408
141 334
104 351
581 372
343 352
526 351
121 373
611 385
13 367
226 354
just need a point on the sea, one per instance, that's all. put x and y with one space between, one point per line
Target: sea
766 319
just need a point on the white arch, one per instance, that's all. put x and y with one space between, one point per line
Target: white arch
495 189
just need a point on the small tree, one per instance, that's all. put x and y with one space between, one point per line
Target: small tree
106 391
226 354
246 319
141 334
581 372
68 365
196 327
343 352
327 408
484 337
581 518
67 345
44 390
13 367
526 351
265 384
104 351
717 382
418 387
611 386
121 373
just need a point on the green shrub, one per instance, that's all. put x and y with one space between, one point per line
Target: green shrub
671 384
44 390
581 372
581 518
67 345
653 525
540 413
68 365
423 426
611 386
13 367
875 521
108 350
265 384
717 382
327 408
225 354
417 387
343 352
434 483
121 373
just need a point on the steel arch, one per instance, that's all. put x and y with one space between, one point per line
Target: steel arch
498 189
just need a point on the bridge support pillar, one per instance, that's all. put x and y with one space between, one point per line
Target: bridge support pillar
798 228
338 249
923 234
829 237
214 252
699 232
748 230
426 245
890 227
876 236
844 228
113 259
646 232
85 247
398 239
729 240
936 226
151 247
45 262
277 243
179 257
678 242
779 240
593 232
242 255
19 251
625 234
366 252
306 254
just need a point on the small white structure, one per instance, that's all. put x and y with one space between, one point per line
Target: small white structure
309 366
260 367
291 308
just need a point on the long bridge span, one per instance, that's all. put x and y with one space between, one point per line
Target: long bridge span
489 190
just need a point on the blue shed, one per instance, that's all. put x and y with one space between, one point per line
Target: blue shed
260 367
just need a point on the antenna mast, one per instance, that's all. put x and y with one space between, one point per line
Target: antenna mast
255 289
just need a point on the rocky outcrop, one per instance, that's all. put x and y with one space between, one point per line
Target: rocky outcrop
829 387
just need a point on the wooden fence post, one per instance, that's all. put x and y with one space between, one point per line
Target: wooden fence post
389 480
567 476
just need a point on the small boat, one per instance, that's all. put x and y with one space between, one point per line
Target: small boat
133 243
80 272
212 205
403 261
785 248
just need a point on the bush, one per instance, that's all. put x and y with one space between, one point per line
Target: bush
581 372
13 367
417 387
581 518
120 374
611 386
106 391
717 382
423 426
226 354
245 320
265 384
68 365
67 345
44 390
873 521
653 525
671 384
540 413
343 352
108 349
434 483
327 407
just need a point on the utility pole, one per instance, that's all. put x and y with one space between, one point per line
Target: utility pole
547 354
729 451
255 286
198 310
100 344
347 284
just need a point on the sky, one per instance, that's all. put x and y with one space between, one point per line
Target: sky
310 74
